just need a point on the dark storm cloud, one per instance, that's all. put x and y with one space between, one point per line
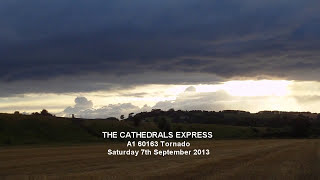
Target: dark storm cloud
43 41
98 82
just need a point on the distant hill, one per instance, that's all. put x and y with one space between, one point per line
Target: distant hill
276 119
17 129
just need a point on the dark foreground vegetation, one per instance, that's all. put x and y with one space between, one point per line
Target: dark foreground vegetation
276 123
44 128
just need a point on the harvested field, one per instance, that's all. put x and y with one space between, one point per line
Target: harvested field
229 159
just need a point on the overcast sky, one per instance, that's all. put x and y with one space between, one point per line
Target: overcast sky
102 58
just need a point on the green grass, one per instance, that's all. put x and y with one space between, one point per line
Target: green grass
18 129
26 129
223 131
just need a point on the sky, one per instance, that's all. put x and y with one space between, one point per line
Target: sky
99 58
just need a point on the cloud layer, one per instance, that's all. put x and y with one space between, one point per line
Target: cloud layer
219 100
83 108
69 46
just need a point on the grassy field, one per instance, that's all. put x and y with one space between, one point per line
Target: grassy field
40 130
229 159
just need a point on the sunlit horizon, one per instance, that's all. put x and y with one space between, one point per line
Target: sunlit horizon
248 95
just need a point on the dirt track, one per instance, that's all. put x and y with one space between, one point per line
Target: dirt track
230 159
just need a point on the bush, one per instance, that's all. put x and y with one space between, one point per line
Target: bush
300 127
164 124
136 121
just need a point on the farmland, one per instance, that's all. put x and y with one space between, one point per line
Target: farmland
40 130
46 130
52 148
230 159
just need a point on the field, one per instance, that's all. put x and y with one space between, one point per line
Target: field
229 159
41 130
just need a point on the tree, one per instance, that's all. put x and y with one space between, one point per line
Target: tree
16 113
122 117
130 115
44 112
35 113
